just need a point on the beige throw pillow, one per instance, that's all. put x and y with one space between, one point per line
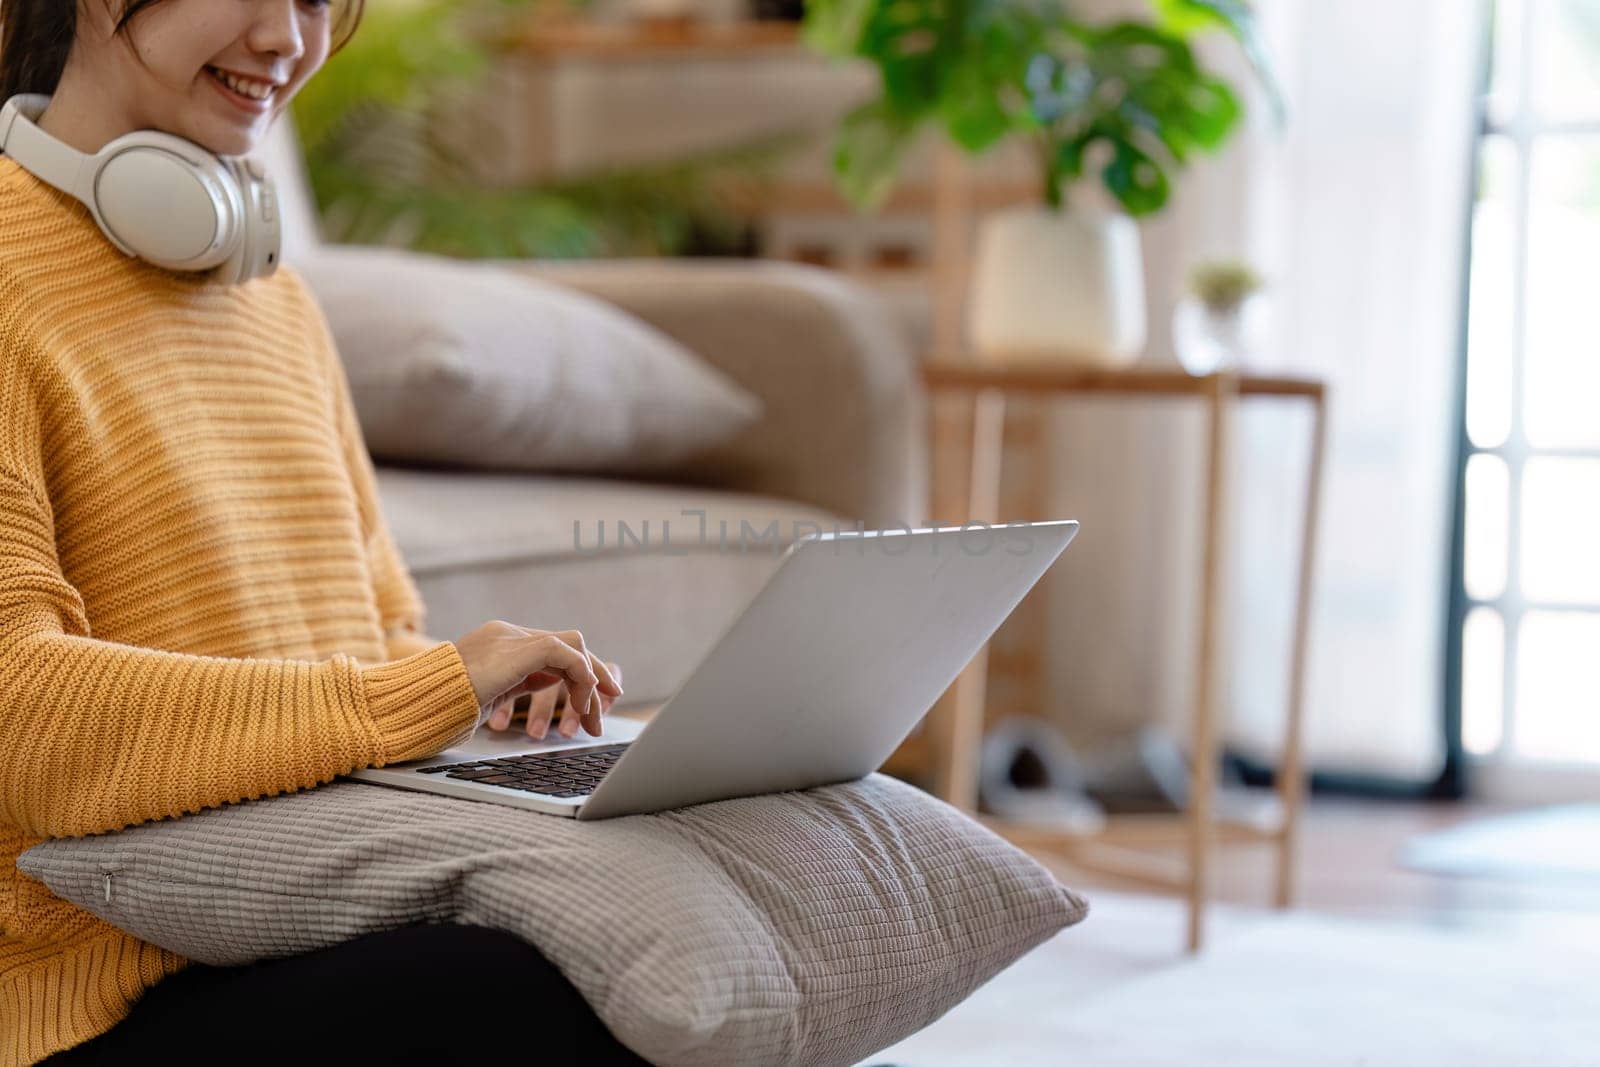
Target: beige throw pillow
810 927
458 362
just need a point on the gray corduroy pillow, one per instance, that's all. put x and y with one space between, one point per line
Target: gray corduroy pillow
810 927
469 363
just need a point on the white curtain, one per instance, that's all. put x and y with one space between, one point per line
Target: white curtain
1365 232
1356 213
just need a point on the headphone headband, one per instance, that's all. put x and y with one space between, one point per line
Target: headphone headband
156 196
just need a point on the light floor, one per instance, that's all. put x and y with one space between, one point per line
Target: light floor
1378 965
1348 867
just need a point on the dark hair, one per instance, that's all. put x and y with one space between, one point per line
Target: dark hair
36 35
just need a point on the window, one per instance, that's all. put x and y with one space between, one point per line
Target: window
1530 575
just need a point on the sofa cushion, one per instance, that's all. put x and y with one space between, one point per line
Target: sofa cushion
447 520
809 927
484 545
466 363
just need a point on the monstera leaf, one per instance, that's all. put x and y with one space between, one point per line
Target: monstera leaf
1129 93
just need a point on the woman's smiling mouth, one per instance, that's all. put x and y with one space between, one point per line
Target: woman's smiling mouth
248 94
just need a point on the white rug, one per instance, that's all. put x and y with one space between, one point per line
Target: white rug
1560 844
1275 989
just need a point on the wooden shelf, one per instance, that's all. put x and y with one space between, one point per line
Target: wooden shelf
588 40
1122 846
821 198
942 372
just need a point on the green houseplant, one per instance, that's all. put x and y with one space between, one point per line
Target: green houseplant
389 125
1126 100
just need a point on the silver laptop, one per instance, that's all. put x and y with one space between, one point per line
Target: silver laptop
853 638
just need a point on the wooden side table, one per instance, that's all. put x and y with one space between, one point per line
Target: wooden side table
955 727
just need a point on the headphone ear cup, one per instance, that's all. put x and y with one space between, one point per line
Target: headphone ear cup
157 196
232 270
175 208
255 255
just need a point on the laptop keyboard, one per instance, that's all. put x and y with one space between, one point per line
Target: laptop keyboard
556 774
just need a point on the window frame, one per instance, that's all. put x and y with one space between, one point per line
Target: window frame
1524 132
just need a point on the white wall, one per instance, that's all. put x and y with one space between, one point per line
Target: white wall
1356 213
1356 216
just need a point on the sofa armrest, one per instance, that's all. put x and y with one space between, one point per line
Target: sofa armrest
845 418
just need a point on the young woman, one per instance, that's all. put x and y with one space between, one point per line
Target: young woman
199 600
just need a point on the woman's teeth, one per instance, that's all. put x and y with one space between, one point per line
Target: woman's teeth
243 86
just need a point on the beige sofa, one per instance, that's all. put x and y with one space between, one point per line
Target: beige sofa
842 440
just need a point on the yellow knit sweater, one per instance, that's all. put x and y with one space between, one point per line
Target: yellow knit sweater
199 601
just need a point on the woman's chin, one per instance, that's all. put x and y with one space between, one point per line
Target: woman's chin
230 138
237 143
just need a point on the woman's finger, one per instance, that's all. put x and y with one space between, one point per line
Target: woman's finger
591 719
610 687
608 678
607 698
542 707
571 716
500 715
574 665
539 680
600 668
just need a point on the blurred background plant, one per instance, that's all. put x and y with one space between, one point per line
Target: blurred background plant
390 134
1223 321
983 71
1222 285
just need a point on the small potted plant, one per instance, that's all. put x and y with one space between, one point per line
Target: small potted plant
1217 322
1127 100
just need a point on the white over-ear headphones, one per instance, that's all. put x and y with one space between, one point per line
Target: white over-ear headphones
157 196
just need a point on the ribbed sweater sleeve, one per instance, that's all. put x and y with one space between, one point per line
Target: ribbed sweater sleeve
400 606
404 641
96 735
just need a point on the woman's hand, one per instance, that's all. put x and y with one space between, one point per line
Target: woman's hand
542 706
505 661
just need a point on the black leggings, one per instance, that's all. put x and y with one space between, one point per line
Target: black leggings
436 994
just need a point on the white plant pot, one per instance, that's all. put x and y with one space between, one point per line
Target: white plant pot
1057 287
1206 339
